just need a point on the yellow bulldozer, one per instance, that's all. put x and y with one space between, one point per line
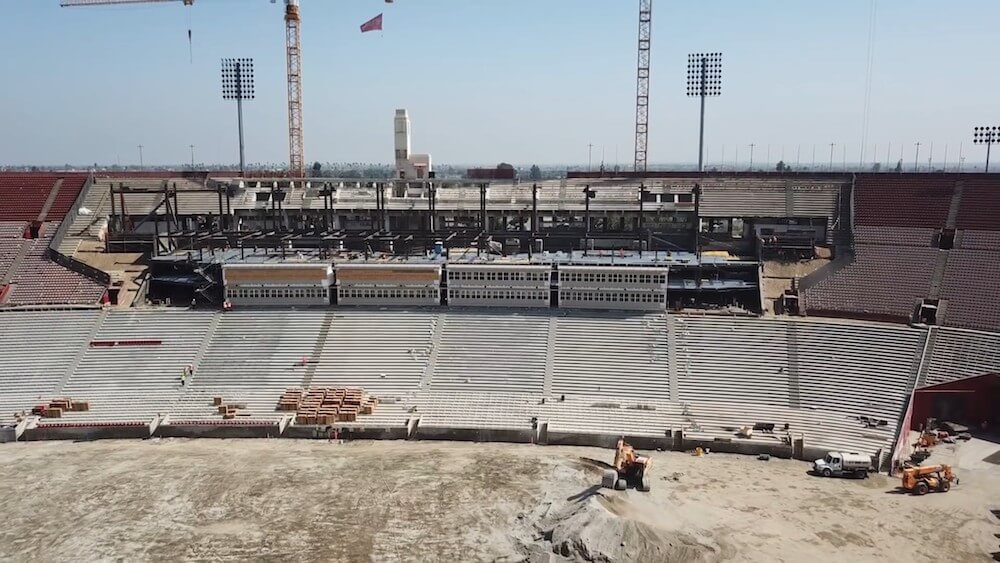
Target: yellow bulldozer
629 468
923 479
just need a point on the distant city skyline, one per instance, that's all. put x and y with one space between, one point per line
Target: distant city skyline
519 82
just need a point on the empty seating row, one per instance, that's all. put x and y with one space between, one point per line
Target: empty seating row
902 200
717 358
138 382
981 240
25 194
860 370
957 354
980 205
896 236
37 349
611 373
492 352
252 358
881 282
381 351
37 280
614 355
972 290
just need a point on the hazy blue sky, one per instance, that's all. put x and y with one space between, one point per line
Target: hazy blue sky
515 80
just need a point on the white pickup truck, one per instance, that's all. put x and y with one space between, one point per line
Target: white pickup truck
841 464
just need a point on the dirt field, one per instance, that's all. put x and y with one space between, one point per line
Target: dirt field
293 500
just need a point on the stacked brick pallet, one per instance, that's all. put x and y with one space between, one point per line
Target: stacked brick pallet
229 411
327 405
56 407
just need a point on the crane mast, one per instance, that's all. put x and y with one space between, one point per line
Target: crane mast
293 48
642 85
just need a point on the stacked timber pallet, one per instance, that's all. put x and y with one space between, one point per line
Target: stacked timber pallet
327 405
56 407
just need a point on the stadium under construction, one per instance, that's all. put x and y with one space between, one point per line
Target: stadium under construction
660 307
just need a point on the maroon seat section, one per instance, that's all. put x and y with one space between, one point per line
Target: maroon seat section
902 200
23 194
980 204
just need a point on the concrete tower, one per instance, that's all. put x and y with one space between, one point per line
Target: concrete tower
402 123
408 165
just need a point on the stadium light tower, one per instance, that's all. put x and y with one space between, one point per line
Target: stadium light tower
704 79
986 136
237 84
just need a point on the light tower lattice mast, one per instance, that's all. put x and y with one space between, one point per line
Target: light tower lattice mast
642 85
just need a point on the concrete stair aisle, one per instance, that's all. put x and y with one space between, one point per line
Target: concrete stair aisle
925 357
317 351
16 262
213 326
794 399
956 204
427 379
94 200
550 354
71 367
50 200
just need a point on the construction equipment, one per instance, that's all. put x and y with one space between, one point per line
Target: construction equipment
922 479
629 468
293 49
843 464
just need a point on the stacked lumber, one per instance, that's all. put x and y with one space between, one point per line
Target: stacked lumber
56 407
327 405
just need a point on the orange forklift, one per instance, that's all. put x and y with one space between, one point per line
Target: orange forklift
923 479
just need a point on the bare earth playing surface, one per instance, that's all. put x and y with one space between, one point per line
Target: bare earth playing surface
447 501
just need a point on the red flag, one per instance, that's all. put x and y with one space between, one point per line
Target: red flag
374 24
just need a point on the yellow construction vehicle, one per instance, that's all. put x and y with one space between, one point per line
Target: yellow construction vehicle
925 478
629 468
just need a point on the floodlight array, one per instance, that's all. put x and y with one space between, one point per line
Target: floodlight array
704 76
237 79
986 135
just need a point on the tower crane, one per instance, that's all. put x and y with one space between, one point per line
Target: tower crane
293 55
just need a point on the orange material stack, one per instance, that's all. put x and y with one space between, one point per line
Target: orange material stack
327 405
56 407
229 411
290 400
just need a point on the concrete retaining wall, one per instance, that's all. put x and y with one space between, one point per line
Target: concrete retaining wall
746 447
525 436
218 431
322 432
556 438
86 433
8 434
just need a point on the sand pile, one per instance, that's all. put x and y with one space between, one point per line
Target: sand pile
609 526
